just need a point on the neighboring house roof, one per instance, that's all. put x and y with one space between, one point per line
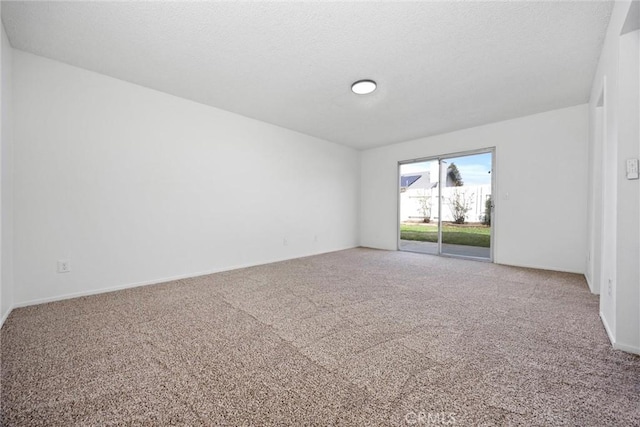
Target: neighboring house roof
406 181
416 180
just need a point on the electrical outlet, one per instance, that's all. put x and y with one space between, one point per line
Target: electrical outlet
610 287
285 242
632 169
64 266
315 238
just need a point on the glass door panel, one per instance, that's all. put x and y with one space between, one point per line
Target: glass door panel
466 205
419 207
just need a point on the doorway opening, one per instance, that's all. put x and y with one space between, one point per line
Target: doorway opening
446 205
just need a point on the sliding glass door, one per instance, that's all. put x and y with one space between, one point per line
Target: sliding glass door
419 211
446 206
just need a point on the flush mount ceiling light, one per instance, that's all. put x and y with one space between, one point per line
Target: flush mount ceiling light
363 87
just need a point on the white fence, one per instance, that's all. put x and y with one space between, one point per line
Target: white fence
415 204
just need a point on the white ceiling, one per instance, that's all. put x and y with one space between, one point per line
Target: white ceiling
440 66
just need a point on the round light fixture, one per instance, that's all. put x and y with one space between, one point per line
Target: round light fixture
363 87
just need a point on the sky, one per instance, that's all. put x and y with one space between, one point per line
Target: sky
474 168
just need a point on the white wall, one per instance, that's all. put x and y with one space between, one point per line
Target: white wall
540 162
595 209
628 207
6 177
617 77
136 186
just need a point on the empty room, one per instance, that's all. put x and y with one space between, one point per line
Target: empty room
320 213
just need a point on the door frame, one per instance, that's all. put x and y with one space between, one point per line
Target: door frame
439 158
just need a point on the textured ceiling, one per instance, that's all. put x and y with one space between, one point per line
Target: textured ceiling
440 66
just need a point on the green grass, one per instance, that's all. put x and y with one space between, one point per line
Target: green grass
455 235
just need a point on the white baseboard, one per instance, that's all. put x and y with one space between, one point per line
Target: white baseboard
540 267
627 348
6 315
615 344
496 260
590 286
158 281
109 289
612 337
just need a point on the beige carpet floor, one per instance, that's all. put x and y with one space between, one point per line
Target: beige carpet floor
357 337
